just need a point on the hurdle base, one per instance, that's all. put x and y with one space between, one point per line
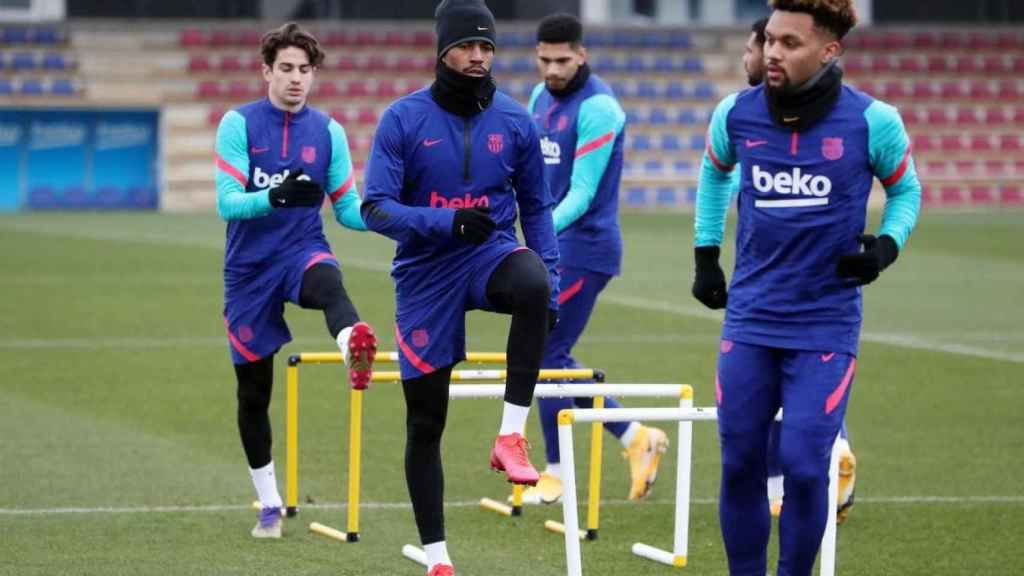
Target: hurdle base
658 555
498 507
415 554
318 528
517 510
291 512
591 534
558 528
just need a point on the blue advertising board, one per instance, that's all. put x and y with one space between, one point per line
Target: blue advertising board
79 159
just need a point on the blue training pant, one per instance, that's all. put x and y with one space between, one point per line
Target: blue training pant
812 388
579 291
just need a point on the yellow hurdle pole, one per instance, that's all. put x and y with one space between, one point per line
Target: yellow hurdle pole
594 504
354 453
292 433
392 357
517 499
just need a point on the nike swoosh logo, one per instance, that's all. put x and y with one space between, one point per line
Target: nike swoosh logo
755 143
256 150
428 142
482 29
827 357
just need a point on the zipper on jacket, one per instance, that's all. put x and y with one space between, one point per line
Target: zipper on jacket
466 146
284 135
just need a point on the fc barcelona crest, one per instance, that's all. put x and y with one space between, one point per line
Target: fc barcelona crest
832 148
308 154
563 123
495 143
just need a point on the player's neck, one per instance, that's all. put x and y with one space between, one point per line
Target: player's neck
284 106
577 82
801 107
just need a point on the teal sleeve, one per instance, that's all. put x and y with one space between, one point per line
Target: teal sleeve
534 95
734 182
599 123
232 173
341 181
716 185
892 163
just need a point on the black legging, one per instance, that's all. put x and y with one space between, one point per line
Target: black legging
322 289
519 286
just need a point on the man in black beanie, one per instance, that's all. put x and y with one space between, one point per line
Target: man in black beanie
451 166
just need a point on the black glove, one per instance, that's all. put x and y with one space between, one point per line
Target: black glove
473 225
709 282
295 193
864 267
552 319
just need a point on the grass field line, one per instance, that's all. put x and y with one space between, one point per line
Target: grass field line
885 500
892 339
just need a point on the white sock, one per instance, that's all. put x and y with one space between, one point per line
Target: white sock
343 342
775 487
554 470
843 444
629 434
513 419
266 485
437 553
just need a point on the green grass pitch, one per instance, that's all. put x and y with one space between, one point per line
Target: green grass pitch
119 452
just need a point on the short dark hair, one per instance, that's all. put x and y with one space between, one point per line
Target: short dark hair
288 35
559 29
758 27
836 16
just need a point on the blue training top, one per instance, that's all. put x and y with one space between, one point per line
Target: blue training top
802 203
582 140
427 162
258 146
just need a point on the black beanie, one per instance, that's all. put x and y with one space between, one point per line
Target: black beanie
460 21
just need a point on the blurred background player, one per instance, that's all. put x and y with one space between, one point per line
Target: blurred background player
810 148
449 166
275 158
753 64
582 132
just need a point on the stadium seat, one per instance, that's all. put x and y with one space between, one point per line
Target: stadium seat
951 195
704 91
952 41
230 63
55 61
965 168
214 115
966 64
894 89
1010 143
326 89
23 61
982 195
688 117
633 116
654 167
909 65
981 91
388 89
1018 65
1018 116
1009 90
923 90
924 143
670 143
855 65
981 143
355 89
996 168
640 143
981 41
6 87
1011 194
31 87
367 116
241 89
684 168
693 65
936 168
646 89
664 64
676 91
912 116
967 116
881 64
666 196
658 117
937 65
996 116
605 64
636 196
63 87
1008 41
191 38
221 38
952 89
15 35
951 144
249 38
697 142
925 41
208 89
994 66
199 63
635 63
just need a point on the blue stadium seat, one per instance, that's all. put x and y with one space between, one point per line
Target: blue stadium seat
55 61
679 39
641 142
704 91
522 65
23 61
31 86
598 38
606 63
632 116
691 195
693 65
47 36
654 167
664 64
620 89
666 196
670 143
658 116
14 35
688 117
6 87
627 167
635 63
62 87
636 196
676 91
646 89
682 167
697 142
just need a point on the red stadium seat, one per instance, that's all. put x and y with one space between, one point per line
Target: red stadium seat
927 195
249 38
1010 143
1018 65
938 117
208 89
981 90
367 116
896 41
192 38
937 64
387 89
326 89
924 143
952 41
909 64
337 38
221 38
996 116
398 38
378 63
1018 116
981 143
1011 194
912 116
356 89
214 115
925 41
423 38
254 64
951 195
198 63
967 116
996 168
995 66
894 89
981 41
923 90
346 64
983 195
855 65
881 64
1018 168
1008 41
1009 90
868 87
230 63
241 89
966 64
966 168
340 115
952 89
951 143
936 168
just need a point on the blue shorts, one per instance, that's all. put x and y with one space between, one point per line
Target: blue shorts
254 303
430 309
812 389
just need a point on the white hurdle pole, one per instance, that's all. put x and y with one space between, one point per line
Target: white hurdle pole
688 415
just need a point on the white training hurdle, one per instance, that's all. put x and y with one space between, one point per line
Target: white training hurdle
682 392
685 415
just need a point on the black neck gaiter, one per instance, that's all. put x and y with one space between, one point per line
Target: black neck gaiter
577 82
460 94
801 107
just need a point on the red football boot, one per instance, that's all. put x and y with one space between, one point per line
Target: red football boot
509 455
362 349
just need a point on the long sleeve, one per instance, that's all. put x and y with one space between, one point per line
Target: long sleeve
232 169
892 163
382 209
715 187
600 122
534 199
341 181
